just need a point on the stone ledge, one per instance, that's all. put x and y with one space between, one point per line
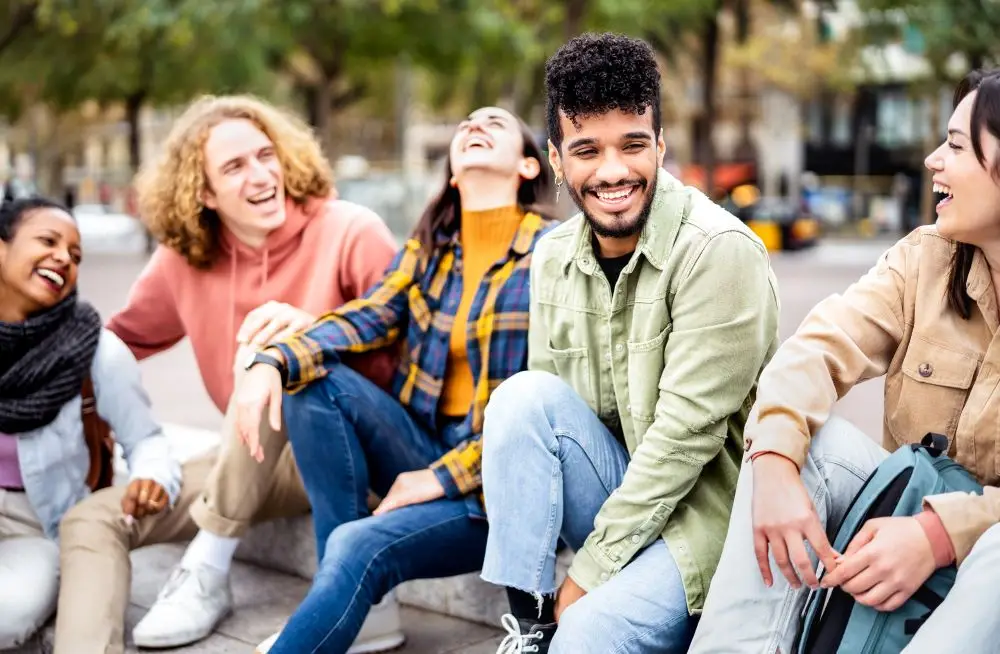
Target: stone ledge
288 545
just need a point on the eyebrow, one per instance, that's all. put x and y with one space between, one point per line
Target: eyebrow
630 136
957 132
491 117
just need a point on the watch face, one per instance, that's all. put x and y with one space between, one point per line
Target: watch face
251 357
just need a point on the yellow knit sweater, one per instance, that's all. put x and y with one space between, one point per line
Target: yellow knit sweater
486 236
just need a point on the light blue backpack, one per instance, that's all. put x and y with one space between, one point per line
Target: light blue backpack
833 622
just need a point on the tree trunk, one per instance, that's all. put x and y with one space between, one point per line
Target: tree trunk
133 105
322 107
745 150
710 57
576 10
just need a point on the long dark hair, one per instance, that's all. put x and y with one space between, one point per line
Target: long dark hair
985 115
442 217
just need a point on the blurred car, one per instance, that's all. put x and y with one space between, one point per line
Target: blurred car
779 222
102 229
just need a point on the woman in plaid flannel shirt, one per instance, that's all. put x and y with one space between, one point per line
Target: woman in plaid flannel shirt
455 302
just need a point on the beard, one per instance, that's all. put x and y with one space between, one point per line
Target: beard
619 226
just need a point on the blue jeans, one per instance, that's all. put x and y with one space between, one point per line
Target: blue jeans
348 435
549 464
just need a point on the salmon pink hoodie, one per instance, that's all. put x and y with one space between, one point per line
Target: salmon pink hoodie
327 252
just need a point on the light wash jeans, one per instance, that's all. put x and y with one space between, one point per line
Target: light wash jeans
548 466
742 616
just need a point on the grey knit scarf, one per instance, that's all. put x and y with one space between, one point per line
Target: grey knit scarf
43 362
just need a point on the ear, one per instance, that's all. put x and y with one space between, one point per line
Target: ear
661 149
209 200
555 161
529 168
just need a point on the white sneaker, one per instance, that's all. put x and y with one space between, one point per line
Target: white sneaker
381 632
266 646
192 603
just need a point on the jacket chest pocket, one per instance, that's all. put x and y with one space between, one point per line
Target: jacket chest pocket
645 366
933 390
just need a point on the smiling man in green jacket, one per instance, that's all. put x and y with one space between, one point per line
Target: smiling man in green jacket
652 315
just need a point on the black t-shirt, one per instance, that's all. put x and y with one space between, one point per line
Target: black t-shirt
613 267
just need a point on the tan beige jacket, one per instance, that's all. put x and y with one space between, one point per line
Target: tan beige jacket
942 372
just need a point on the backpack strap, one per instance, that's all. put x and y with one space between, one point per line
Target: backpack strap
935 444
100 444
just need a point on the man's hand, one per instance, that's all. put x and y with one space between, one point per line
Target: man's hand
144 497
272 322
567 595
409 488
783 518
885 563
261 387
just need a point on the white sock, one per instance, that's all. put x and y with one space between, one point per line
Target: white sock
209 549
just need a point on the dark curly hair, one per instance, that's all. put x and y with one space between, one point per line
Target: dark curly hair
13 213
593 74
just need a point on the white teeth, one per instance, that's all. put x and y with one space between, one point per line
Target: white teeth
265 196
941 188
614 195
52 276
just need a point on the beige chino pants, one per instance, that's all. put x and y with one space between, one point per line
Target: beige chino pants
224 492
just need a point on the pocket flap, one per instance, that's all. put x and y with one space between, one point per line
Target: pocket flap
931 363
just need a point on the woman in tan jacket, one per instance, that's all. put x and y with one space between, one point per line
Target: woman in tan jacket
925 317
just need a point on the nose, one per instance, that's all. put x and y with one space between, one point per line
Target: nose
934 161
258 171
61 255
612 168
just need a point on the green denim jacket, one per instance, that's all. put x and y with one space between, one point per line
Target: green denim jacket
671 357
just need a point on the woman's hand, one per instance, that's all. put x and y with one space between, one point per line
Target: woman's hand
272 322
409 488
885 563
783 518
260 388
143 497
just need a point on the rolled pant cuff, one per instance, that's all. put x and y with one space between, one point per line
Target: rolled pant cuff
214 523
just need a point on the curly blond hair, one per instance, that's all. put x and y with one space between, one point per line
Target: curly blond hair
170 189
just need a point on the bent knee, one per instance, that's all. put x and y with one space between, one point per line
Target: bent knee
101 511
524 389
986 551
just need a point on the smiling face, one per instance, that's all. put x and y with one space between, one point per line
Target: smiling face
610 162
245 180
970 210
490 140
38 266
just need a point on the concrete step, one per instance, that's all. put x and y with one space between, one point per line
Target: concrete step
263 601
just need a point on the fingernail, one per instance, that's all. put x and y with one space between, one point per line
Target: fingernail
128 520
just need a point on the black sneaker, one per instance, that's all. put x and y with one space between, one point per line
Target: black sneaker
525 636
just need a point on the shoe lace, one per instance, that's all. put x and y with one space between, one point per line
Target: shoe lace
515 642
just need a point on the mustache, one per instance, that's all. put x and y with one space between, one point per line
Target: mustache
604 186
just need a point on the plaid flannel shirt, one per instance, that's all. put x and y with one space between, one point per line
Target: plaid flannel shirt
420 295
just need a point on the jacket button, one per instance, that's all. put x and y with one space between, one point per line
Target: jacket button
925 370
